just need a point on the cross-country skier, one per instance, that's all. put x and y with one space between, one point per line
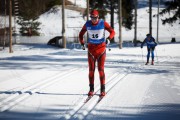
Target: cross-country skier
151 44
96 47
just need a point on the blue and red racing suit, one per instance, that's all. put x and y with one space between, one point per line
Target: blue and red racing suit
96 47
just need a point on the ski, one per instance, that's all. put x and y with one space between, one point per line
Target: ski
100 98
88 98
148 64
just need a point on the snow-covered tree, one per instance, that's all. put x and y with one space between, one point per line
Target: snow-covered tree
171 6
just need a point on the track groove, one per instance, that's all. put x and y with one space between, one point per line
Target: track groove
14 99
82 109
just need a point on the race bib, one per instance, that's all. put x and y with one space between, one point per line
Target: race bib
96 34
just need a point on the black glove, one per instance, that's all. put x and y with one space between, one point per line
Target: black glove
83 46
107 41
141 46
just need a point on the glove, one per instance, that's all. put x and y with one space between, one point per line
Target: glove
141 46
83 46
107 41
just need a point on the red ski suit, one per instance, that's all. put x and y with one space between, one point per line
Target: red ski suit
96 52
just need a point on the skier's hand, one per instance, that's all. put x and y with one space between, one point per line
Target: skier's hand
83 46
107 41
141 46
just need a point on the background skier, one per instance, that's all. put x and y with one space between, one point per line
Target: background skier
96 47
151 44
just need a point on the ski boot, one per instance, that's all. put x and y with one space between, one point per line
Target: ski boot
91 91
152 63
147 63
103 93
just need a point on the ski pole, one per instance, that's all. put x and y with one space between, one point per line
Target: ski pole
156 54
142 55
109 48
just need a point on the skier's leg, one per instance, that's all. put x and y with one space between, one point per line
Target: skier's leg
148 55
152 55
101 61
91 61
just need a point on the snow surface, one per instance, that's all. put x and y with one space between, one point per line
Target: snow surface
43 82
79 3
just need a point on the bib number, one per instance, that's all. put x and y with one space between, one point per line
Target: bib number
94 35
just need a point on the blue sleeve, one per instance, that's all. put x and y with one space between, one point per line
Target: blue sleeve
143 43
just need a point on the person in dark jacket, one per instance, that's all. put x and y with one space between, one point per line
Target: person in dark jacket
151 44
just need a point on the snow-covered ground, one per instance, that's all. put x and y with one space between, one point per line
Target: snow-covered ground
43 82
79 3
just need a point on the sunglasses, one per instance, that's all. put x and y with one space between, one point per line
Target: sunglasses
93 18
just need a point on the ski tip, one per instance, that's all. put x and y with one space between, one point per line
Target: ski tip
88 98
100 98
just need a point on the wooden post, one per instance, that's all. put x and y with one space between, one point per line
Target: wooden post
112 17
87 17
150 17
87 10
10 26
63 24
5 32
135 24
120 24
157 39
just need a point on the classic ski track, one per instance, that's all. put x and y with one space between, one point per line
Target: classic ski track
87 109
15 75
14 99
82 109
78 112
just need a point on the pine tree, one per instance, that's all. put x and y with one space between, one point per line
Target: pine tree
100 5
30 10
103 6
171 6
127 13
28 27
28 15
